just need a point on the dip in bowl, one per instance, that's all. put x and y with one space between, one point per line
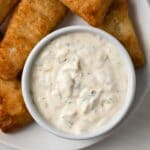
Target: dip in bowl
78 82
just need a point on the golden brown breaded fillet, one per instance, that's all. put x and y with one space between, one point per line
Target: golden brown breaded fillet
5 7
92 11
13 113
118 23
31 21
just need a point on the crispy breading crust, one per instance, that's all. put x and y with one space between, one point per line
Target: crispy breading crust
31 21
118 23
13 113
93 11
5 7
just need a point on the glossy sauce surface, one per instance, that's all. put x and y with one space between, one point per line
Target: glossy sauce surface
79 82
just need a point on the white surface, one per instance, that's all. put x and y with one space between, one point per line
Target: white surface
4 147
134 134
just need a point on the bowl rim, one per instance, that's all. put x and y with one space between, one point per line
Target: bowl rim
28 98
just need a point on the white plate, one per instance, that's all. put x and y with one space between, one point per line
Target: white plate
33 137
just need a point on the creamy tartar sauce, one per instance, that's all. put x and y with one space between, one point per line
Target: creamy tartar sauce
79 82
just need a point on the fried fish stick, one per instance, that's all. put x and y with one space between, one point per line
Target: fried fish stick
13 113
31 21
5 7
118 23
93 11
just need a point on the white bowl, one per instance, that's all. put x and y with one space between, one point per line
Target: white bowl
33 109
